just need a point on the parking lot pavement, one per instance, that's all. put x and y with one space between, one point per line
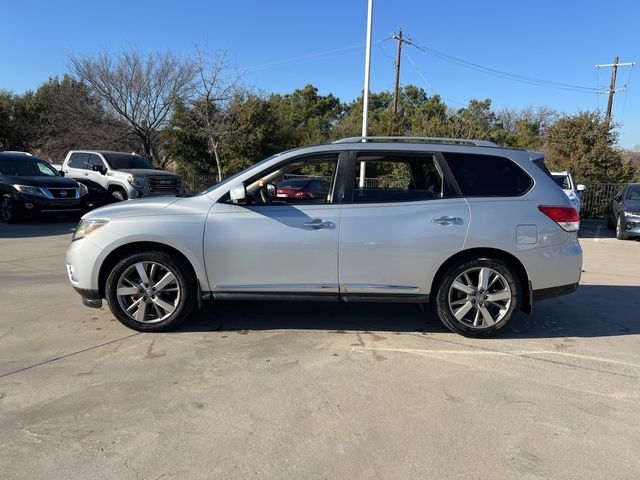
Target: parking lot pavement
287 390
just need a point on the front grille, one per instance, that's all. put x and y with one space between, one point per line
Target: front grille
164 185
62 192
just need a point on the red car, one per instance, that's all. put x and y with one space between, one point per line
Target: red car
303 189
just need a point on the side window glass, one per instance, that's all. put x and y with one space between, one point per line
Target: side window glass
95 160
391 178
487 175
305 181
79 160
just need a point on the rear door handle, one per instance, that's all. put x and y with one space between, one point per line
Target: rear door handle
319 224
446 220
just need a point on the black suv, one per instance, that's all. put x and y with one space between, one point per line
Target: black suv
29 185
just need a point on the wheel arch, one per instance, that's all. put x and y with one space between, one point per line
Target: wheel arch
485 252
139 247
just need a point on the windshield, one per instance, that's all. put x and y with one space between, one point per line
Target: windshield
634 193
27 167
562 181
232 177
124 161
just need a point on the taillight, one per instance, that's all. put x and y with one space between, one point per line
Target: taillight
566 217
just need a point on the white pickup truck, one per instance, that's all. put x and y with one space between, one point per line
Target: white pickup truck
120 175
567 184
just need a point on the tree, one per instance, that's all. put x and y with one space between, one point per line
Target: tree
585 143
71 118
141 90
209 109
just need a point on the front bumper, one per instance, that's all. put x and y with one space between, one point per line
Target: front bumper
36 204
83 260
631 226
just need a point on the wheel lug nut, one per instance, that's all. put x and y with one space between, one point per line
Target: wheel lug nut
486 298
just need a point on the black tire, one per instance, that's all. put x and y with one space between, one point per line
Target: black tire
620 235
8 211
119 195
183 303
506 278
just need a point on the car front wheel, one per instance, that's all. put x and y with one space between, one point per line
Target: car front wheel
479 297
151 291
620 235
8 209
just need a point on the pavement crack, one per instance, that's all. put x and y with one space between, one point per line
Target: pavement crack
68 355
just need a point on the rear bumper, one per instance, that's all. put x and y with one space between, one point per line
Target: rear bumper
551 269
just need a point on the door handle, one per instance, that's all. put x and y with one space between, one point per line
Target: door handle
319 224
85 174
446 220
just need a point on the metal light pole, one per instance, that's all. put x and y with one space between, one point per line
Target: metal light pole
367 75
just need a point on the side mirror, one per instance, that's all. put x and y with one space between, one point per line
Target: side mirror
617 198
238 194
581 188
271 189
99 168
61 172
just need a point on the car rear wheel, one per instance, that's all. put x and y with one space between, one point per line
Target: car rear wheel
151 292
479 297
8 209
620 235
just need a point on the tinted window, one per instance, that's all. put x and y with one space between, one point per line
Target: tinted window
95 160
26 167
397 178
487 176
120 161
562 181
634 193
79 160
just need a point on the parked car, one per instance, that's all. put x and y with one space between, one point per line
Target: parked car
624 212
119 175
302 188
573 191
481 231
30 186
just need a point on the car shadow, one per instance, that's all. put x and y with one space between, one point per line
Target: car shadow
595 229
591 311
41 227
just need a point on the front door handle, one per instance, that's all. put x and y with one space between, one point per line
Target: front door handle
447 220
319 224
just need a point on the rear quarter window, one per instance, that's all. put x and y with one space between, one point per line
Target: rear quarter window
488 175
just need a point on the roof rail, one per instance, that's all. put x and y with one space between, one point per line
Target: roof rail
441 140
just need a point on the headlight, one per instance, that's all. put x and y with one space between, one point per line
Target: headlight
30 190
133 180
83 189
85 227
632 215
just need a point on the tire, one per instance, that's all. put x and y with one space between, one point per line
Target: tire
8 211
477 315
119 195
620 235
162 309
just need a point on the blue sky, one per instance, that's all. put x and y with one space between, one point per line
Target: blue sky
275 43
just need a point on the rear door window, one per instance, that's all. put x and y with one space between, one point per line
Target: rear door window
488 175
79 160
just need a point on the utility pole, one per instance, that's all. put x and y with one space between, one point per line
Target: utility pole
612 87
396 87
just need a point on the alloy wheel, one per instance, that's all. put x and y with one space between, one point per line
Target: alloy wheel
480 297
148 292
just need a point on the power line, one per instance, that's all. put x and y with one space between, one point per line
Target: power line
312 56
506 75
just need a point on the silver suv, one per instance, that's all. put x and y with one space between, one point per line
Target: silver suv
481 231
120 175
